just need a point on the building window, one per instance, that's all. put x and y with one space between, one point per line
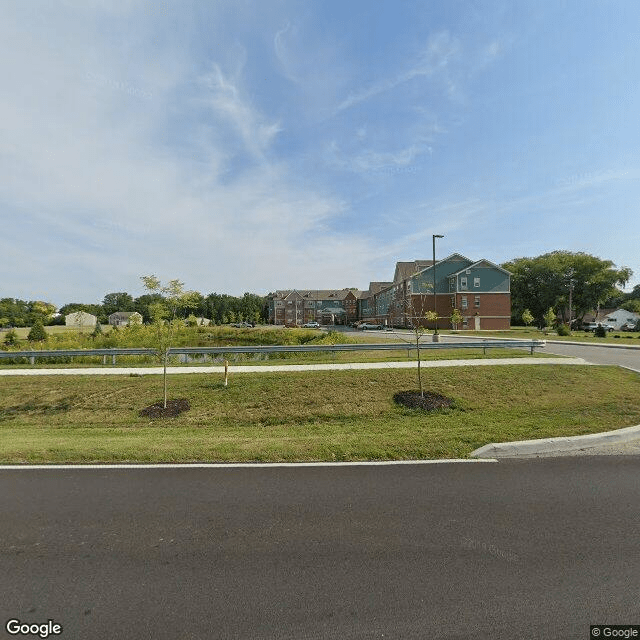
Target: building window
476 302
476 282
453 301
463 282
464 304
452 285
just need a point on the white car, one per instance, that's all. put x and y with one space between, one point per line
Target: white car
311 325
365 325
592 326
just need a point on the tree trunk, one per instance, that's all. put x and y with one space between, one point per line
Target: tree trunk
166 352
419 369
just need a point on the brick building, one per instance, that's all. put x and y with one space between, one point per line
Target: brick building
292 307
480 290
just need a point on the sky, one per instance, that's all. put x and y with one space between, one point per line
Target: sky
255 145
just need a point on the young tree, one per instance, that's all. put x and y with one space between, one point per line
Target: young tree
456 318
165 315
414 321
549 318
97 331
527 317
11 338
37 332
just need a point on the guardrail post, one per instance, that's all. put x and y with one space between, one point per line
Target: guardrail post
104 359
484 347
113 359
32 359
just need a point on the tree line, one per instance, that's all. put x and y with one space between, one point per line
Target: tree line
555 280
561 279
220 308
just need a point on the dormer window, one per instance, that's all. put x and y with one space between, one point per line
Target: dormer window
463 282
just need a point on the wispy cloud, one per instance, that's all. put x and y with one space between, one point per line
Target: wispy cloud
97 195
226 100
438 54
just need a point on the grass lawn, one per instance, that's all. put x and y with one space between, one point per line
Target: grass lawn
306 416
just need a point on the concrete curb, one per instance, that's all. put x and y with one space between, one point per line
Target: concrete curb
547 445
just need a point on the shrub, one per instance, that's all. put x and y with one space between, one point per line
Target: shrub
563 330
600 332
37 332
11 338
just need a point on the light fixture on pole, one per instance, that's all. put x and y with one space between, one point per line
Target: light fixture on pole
434 279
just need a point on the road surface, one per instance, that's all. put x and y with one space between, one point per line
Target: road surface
514 549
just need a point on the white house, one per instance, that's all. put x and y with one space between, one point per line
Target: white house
80 319
621 316
123 318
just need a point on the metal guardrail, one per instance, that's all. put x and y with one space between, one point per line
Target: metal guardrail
296 348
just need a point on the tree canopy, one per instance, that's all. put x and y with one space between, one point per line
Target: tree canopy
546 282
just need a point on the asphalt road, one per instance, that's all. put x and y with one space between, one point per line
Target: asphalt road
604 354
598 355
508 550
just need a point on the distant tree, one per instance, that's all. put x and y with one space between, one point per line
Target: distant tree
632 305
120 301
456 318
141 304
97 331
545 281
549 317
527 317
42 311
37 332
11 338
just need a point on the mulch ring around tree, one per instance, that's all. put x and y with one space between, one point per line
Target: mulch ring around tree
429 402
174 408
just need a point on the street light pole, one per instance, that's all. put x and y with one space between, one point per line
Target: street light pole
434 279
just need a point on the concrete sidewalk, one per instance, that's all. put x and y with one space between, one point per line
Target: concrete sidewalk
233 369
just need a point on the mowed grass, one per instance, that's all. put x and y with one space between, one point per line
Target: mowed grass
306 416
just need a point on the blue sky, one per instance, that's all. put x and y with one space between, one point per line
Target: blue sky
253 145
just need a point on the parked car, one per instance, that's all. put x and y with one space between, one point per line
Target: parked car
241 325
367 325
591 326
311 325
628 326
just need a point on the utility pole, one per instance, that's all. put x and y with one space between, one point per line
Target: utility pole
434 279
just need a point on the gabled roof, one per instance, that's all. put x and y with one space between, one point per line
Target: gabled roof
406 269
481 262
445 260
316 294
374 288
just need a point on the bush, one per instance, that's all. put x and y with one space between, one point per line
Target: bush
11 338
600 332
563 330
37 332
